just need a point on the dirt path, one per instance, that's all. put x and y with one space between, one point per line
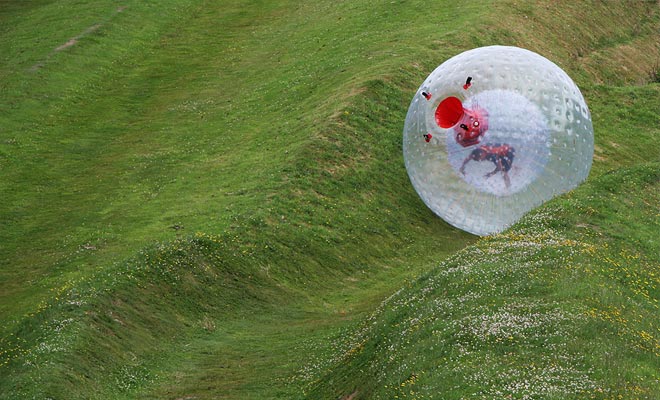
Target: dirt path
74 40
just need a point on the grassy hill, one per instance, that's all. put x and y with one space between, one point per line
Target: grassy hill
563 305
207 200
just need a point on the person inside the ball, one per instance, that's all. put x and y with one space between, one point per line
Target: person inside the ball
500 154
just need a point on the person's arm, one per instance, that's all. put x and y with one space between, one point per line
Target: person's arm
498 167
467 159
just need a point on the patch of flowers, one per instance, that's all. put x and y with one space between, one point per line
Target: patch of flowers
490 322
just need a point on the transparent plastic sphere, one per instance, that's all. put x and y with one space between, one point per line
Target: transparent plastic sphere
494 132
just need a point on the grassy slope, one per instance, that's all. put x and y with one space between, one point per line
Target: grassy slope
297 203
565 304
151 121
562 306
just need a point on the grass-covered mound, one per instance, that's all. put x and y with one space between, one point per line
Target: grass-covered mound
562 306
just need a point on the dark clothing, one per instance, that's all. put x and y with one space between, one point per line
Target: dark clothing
494 153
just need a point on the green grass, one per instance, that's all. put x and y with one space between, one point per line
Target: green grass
562 306
208 200
197 128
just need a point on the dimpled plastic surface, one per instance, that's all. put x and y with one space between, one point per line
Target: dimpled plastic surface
536 117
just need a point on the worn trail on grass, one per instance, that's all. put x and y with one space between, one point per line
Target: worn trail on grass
74 40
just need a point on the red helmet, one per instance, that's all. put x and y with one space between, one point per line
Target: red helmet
469 125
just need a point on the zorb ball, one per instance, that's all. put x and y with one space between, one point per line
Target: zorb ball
494 132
